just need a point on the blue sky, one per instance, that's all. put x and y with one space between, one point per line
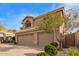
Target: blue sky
11 15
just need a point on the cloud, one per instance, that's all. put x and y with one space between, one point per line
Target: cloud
65 5
70 5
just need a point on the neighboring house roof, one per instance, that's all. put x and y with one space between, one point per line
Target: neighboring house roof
5 31
2 33
10 34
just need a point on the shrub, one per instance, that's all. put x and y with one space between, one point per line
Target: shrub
54 44
42 54
73 52
51 50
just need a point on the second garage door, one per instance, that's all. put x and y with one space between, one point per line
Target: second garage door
44 38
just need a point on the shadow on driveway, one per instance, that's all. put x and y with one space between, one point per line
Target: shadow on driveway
30 54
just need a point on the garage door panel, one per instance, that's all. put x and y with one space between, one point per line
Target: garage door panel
27 39
45 38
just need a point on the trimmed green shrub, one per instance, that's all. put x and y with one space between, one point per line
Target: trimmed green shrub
73 52
42 54
54 44
51 50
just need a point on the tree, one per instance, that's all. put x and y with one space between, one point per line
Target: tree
12 30
2 27
51 23
72 16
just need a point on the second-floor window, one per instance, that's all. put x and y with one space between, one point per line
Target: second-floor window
27 24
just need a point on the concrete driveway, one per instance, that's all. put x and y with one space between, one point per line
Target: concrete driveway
16 50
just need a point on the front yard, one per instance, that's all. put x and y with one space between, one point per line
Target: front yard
16 50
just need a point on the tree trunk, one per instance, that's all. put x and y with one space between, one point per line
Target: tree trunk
60 45
59 37
61 41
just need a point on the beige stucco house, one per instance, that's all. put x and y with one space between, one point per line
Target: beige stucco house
30 33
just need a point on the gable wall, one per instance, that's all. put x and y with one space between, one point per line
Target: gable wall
39 19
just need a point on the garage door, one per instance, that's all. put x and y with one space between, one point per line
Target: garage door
44 38
27 39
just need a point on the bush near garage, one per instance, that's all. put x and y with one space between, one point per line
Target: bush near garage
54 44
51 50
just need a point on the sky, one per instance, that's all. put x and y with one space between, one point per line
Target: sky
12 14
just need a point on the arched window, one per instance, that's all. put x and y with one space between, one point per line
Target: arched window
27 24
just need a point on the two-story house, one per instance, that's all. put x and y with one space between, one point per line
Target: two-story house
30 33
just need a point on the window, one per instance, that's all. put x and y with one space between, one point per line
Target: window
27 24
